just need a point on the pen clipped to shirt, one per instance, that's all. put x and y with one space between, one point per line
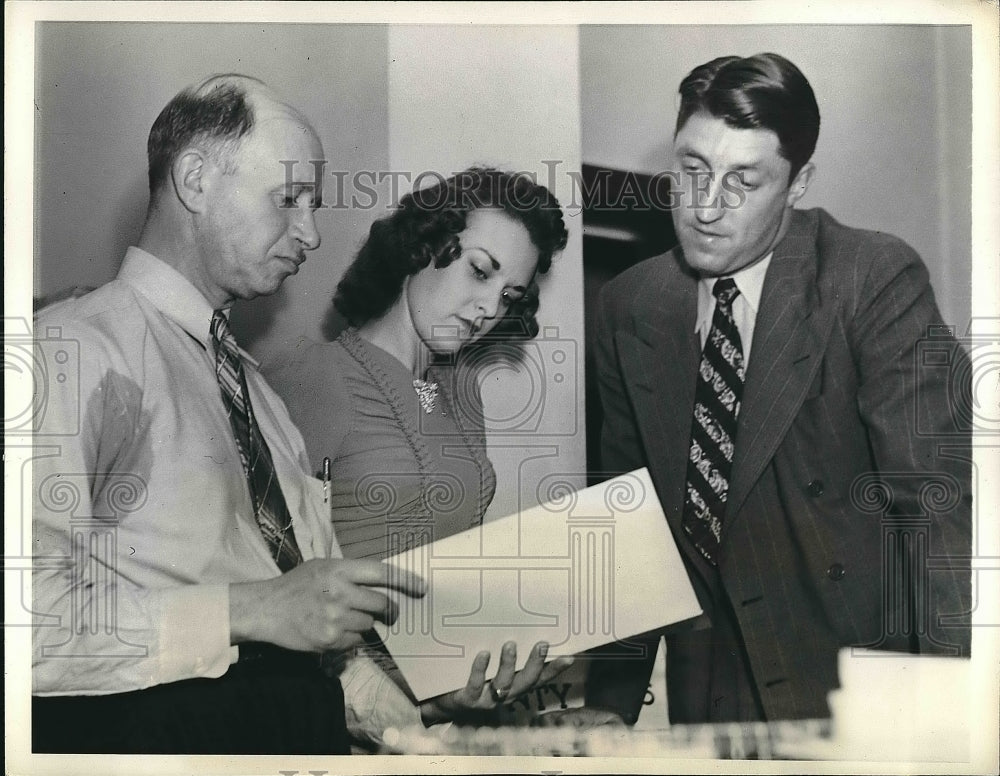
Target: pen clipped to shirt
326 480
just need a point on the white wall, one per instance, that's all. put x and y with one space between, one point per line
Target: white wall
507 96
404 98
894 150
99 86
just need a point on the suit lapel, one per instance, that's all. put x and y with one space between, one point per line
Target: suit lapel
659 362
789 338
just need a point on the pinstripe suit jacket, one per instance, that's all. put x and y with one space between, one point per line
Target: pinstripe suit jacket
849 441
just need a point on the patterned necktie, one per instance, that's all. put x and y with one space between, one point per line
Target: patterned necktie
268 502
713 431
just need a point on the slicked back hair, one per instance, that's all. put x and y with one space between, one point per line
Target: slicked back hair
764 91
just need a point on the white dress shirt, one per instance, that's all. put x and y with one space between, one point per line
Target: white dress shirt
142 515
750 282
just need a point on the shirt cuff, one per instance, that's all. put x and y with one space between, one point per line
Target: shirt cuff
373 702
194 637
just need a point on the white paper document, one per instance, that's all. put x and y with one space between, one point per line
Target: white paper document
586 568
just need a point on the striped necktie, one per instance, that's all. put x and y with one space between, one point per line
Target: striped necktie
713 430
268 502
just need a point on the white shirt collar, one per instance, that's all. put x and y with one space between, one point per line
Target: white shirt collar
750 282
171 293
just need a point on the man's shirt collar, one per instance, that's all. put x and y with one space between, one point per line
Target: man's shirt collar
171 293
750 282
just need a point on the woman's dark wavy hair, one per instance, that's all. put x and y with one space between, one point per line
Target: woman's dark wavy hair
424 230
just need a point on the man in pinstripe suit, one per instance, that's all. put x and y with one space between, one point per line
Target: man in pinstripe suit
836 459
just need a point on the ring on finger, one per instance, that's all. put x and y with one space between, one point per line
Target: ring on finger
498 695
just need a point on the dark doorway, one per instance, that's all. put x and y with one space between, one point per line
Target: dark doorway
626 219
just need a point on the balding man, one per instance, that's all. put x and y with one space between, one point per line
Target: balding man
188 588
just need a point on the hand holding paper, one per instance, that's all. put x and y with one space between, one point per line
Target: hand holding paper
482 695
595 566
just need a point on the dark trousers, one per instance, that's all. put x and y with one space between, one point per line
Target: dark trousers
277 702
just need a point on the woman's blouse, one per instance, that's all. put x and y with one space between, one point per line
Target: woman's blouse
400 475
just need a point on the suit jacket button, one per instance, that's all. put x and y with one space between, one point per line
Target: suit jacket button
836 572
815 488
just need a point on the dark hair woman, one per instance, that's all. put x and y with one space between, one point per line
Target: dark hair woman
394 405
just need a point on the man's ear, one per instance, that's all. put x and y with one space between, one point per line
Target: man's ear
800 183
188 175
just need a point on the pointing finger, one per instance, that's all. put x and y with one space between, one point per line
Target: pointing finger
377 574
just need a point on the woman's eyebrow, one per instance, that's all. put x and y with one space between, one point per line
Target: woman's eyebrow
496 266
493 261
